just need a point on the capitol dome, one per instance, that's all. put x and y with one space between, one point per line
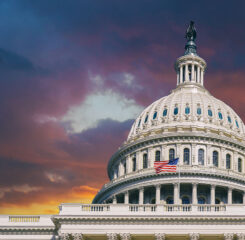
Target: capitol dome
203 133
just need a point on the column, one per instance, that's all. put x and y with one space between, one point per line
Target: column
212 195
228 236
125 236
192 73
202 76
114 200
126 197
209 161
243 197
141 195
151 157
194 236
120 168
193 155
223 158
158 193
111 236
176 193
229 200
198 75
194 193
186 73
181 74
128 164
159 236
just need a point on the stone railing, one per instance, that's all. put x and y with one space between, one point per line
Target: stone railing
24 218
154 209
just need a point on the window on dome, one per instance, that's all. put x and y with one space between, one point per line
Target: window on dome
145 160
157 156
165 111
239 167
201 157
176 110
237 124
171 154
146 118
228 161
186 156
199 111
229 119
189 71
215 158
201 200
185 200
169 200
220 115
125 167
134 164
187 110
154 115
139 122
210 113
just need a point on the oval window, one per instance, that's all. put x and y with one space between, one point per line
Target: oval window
187 110
165 111
176 110
154 115
210 113
229 119
220 115
199 111
146 118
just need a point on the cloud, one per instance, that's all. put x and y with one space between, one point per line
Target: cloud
55 178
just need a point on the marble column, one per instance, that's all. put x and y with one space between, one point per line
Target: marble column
186 73
194 193
243 197
194 236
125 236
198 75
141 195
114 200
158 193
228 236
176 193
192 73
126 197
202 76
181 74
159 236
212 194
229 198
111 236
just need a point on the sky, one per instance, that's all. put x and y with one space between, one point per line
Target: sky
75 74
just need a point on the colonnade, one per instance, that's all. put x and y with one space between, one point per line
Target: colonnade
176 194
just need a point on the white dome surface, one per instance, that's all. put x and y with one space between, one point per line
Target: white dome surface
199 101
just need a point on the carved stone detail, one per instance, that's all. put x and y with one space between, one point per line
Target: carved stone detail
228 236
194 236
77 236
111 236
159 236
64 236
241 236
125 236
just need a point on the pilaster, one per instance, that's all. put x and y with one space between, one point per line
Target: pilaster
212 194
194 193
141 195
158 193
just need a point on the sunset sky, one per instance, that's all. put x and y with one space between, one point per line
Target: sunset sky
74 75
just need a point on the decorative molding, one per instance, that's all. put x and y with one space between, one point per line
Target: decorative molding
159 236
228 236
125 236
111 236
77 236
194 236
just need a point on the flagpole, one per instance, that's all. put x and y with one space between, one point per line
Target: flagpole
179 178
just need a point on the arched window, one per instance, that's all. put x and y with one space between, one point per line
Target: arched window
154 115
157 156
239 165
186 156
228 161
134 164
165 111
145 160
185 200
215 158
187 110
201 157
171 154
201 200
176 110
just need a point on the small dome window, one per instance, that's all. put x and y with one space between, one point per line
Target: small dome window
155 115
210 113
176 110
237 124
165 111
146 118
187 110
229 119
139 122
220 115
199 111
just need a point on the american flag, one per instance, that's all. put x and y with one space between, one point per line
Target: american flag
166 166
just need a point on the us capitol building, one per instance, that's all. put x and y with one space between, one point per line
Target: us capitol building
204 199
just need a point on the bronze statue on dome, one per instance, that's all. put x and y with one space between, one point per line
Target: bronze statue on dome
191 32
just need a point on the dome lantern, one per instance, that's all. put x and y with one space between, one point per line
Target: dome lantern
190 68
